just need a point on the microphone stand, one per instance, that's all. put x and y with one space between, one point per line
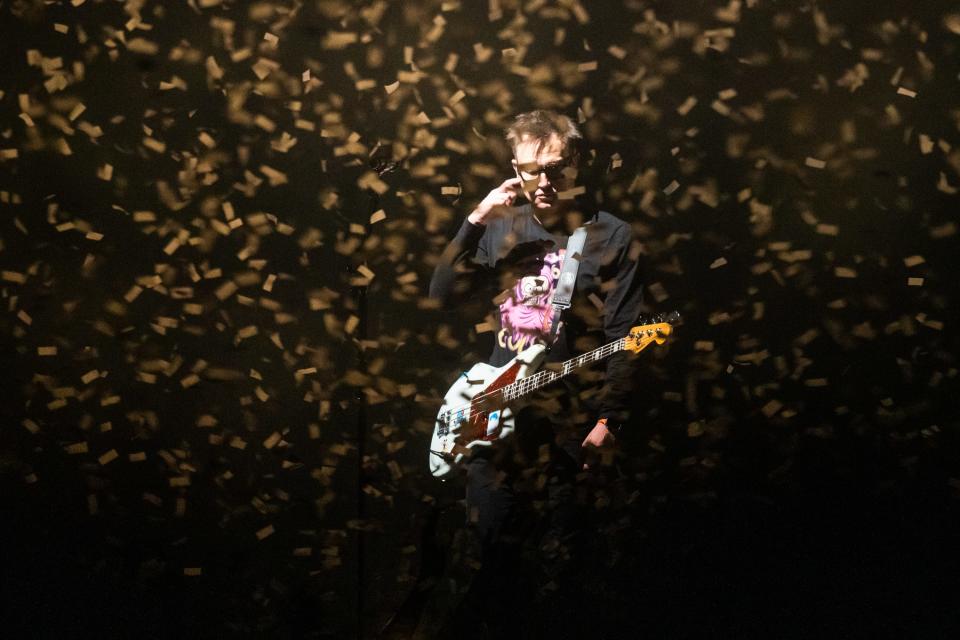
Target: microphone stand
382 168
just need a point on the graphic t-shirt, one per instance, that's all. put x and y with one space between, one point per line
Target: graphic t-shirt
523 261
526 314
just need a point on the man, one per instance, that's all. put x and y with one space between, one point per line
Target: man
518 234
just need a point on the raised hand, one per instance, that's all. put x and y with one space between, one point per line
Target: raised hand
496 202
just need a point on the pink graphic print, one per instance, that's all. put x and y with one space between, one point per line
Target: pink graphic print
526 315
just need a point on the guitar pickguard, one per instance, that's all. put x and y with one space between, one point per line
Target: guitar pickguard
474 412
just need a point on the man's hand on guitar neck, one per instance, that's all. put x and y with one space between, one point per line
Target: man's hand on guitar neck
599 439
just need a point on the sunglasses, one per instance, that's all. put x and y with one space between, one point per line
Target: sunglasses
553 171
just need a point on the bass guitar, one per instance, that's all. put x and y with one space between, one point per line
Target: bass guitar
476 410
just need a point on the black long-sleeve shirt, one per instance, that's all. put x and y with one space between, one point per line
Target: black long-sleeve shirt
527 258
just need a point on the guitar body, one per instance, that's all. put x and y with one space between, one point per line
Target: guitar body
474 412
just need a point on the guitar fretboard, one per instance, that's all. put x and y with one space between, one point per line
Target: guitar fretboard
524 386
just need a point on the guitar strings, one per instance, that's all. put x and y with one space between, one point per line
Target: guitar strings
540 378
537 379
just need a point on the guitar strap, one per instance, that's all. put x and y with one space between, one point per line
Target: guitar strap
563 294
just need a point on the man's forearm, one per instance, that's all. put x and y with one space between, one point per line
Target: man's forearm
621 309
461 247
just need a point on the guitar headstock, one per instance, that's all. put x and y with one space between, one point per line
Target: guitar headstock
657 330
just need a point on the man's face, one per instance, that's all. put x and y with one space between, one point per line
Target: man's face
544 169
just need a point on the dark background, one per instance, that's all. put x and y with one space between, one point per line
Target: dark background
187 461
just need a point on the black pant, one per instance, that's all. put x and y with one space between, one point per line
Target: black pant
516 557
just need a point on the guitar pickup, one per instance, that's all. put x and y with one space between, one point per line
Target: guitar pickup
475 381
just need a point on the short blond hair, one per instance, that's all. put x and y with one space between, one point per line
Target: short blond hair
540 125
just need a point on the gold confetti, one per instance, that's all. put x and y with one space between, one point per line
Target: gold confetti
687 105
133 293
720 107
351 324
263 67
77 448
225 290
339 40
364 271
570 194
172 246
617 52
154 145
772 408
272 440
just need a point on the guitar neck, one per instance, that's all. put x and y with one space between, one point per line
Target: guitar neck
541 378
